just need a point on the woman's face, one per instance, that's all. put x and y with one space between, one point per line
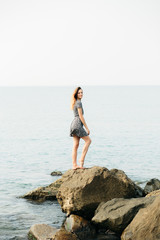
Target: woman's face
80 94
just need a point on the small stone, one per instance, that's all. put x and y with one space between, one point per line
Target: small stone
56 173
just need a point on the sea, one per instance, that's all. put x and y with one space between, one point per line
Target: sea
124 123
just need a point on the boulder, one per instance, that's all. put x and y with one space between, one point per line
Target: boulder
41 232
80 226
146 224
117 213
62 234
152 185
44 193
83 189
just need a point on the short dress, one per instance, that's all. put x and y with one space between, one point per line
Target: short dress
76 127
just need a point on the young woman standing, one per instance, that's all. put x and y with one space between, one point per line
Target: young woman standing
76 129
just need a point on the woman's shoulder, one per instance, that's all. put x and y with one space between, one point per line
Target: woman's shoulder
78 103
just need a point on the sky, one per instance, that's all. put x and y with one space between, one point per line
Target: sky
79 42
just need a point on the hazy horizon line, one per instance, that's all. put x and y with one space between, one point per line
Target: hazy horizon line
107 85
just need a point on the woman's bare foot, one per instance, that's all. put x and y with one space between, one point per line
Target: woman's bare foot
81 164
75 167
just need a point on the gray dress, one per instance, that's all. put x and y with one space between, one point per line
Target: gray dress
76 127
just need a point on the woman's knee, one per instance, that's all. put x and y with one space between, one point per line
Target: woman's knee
89 141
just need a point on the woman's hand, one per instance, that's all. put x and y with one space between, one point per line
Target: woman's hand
88 131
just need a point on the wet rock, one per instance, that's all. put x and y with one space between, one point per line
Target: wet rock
44 193
117 213
62 234
80 226
84 189
56 173
49 192
152 185
41 232
146 224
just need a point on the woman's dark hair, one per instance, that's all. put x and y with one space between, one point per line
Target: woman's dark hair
76 93
74 97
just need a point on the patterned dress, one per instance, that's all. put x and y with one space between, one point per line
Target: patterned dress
76 127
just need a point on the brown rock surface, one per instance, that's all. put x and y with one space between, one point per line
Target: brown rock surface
82 190
117 213
146 224
62 234
44 193
154 193
41 232
80 226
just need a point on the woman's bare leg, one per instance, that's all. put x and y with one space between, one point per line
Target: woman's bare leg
74 151
85 149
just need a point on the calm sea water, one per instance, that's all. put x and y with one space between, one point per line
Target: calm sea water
34 140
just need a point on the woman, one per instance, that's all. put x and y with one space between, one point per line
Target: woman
76 129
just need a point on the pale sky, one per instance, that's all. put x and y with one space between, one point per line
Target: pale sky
79 42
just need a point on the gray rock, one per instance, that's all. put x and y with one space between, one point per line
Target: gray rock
146 224
82 190
152 185
41 232
117 213
56 173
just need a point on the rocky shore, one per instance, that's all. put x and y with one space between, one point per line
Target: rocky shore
100 204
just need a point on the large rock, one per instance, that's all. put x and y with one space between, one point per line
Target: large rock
117 213
41 232
44 193
152 185
80 226
84 189
146 224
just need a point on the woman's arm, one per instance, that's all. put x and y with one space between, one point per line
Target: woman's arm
82 119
